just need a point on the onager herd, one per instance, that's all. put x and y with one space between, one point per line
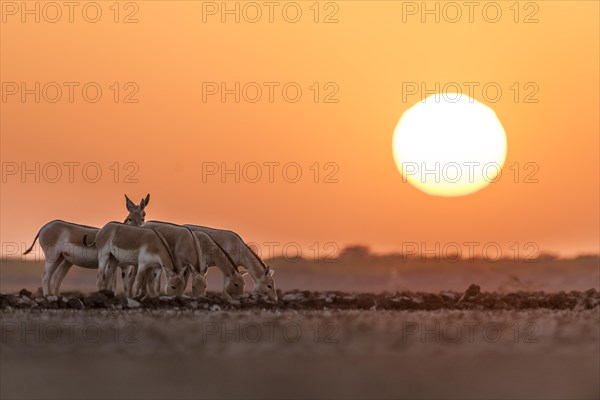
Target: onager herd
145 250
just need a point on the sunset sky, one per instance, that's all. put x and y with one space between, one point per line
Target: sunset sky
368 56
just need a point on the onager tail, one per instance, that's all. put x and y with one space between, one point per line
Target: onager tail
32 244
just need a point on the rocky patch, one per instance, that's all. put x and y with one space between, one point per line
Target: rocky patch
472 299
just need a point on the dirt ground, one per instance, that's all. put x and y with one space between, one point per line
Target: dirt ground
320 351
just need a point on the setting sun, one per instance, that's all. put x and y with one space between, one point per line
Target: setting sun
449 145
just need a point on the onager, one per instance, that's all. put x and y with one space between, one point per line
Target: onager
243 256
195 252
61 243
143 248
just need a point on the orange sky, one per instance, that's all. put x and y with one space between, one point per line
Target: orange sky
369 53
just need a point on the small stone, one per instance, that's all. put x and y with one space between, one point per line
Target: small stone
292 297
448 296
400 299
25 302
471 292
131 303
75 303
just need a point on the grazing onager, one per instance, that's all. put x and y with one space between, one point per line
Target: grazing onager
145 249
184 247
62 245
195 251
243 256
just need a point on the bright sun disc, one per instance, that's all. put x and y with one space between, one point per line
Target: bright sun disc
449 145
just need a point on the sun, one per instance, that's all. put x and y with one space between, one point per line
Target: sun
449 145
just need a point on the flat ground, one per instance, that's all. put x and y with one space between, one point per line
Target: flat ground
165 353
524 335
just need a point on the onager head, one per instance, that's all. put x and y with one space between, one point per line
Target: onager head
265 286
137 215
199 285
175 285
233 286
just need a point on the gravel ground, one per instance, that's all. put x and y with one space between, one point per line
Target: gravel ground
471 299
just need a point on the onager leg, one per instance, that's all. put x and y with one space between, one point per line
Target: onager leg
111 275
141 281
103 267
156 281
49 269
150 278
113 284
59 275
129 273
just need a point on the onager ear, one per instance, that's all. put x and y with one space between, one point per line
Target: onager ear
129 204
146 200
270 272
